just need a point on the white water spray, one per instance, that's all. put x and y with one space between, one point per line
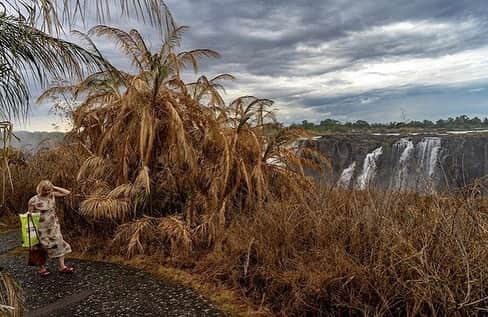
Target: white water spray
428 152
346 176
369 168
406 148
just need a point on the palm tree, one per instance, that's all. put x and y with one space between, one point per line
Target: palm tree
30 46
116 103
170 158
28 52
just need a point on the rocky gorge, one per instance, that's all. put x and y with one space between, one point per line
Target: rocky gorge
421 162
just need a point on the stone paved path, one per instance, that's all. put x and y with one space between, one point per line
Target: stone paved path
99 289
9 241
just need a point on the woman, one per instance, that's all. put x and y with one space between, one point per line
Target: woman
49 230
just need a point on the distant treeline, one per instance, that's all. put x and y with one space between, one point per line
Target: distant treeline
460 122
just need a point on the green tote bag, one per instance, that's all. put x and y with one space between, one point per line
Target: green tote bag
24 229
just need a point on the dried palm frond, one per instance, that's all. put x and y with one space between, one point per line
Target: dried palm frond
106 208
249 111
143 181
134 235
175 230
204 88
11 297
125 41
210 228
121 191
94 167
192 57
100 188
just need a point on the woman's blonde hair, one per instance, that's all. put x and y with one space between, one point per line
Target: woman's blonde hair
42 184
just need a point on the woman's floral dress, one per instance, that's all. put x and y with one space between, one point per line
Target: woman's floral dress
49 230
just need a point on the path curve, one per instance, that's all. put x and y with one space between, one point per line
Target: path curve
100 289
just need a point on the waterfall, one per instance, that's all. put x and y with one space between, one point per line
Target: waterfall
421 162
369 168
428 152
405 148
346 176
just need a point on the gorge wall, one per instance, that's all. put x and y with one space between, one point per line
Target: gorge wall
413 162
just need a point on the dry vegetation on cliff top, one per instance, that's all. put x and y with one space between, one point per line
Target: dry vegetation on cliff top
163 167
360 253
334 252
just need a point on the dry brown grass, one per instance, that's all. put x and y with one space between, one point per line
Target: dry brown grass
165 168
315 252
5 173
60 164
358 253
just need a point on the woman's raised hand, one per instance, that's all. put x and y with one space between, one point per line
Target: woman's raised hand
60 192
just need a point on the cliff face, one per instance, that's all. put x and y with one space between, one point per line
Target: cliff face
34 141
423 163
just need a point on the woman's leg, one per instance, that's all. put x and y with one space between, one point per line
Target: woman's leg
61 262
43 271
62 267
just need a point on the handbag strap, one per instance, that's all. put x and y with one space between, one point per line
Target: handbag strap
29 219
28 229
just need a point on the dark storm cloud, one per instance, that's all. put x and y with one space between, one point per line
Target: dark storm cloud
343 58
387 105
263 36
306 39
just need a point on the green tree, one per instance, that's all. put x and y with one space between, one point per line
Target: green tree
476 121
361 124
307 125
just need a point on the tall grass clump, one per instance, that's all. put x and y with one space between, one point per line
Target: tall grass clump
360 254
61 164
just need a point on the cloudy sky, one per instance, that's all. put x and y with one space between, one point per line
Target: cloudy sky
375 60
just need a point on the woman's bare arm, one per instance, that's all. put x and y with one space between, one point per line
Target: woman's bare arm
60 192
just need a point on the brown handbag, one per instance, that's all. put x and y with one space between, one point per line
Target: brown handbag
37 253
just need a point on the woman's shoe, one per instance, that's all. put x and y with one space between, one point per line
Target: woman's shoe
67 269
43 273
